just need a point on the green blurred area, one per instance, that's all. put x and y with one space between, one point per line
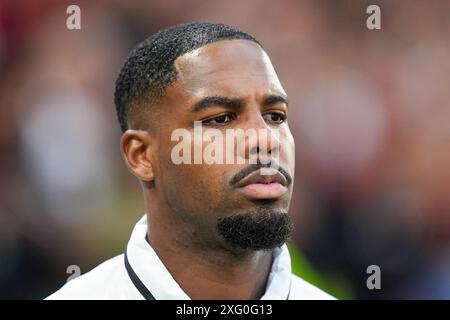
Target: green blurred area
333 284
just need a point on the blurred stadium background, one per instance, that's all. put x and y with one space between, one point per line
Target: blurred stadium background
370 112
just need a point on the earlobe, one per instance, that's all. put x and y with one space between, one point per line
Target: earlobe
136 147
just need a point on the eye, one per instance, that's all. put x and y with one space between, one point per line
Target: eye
223 119
275 117
219 120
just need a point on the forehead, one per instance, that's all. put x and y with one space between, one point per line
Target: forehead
232 67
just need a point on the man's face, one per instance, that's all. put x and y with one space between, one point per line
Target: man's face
240 74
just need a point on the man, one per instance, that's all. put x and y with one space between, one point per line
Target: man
211 231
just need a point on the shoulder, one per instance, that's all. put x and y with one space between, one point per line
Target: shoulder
106 281
302 290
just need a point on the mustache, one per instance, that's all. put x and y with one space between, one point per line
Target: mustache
254 167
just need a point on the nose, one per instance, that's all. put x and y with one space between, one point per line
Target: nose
262 142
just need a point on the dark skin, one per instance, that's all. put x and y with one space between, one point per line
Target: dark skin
184 201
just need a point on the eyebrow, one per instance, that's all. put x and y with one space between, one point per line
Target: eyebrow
274 99
226 102
233 103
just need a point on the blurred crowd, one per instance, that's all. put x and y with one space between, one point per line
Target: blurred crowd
369 110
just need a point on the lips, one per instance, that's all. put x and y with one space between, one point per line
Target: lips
265 183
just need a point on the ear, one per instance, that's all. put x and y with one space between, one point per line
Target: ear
137 152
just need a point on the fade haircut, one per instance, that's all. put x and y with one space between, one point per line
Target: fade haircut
149 68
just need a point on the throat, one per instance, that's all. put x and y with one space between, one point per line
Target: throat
246 280
210 272
210 275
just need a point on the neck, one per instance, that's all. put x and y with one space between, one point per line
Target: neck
209 273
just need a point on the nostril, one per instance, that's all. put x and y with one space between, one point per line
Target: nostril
258 150
254 150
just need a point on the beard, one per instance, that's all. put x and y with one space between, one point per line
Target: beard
263 229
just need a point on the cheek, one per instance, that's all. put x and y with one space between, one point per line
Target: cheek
192 187
287 149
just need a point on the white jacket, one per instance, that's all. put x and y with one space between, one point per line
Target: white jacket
147 277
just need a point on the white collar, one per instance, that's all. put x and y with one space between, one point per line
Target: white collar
157 279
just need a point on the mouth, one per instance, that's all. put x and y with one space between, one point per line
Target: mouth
265 183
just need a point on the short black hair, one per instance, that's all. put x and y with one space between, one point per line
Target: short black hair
149 68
